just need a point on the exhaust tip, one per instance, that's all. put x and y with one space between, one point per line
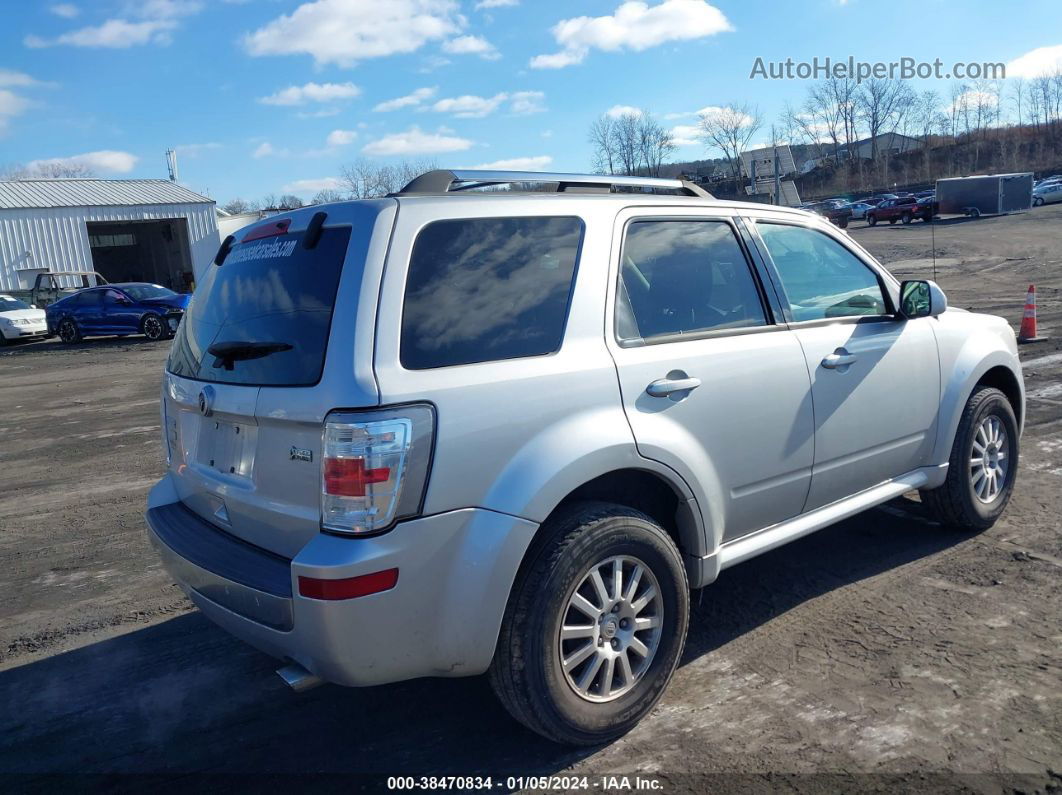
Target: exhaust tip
298 678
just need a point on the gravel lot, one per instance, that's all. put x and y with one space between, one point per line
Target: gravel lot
884 645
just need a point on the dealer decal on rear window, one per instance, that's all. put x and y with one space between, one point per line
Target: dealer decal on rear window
278 248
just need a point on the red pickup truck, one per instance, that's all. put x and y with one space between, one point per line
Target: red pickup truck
903 209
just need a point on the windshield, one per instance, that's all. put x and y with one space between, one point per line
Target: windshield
144 292
9 304
262 317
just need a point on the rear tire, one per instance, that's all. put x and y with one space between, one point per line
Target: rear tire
570 703
987 433
843 223
69 332
1038 202
906 218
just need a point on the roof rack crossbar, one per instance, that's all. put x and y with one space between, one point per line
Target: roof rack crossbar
450 181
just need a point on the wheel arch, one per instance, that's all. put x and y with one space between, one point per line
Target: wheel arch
972 370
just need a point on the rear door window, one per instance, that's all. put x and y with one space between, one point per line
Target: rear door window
685 277
484 289
266 311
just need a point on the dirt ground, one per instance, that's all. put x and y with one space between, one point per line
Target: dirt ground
882 654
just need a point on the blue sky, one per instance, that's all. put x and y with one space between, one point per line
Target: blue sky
271 96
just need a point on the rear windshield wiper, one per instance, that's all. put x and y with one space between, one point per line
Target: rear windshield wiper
227 353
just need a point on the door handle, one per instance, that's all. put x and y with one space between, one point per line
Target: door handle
664 387
839 358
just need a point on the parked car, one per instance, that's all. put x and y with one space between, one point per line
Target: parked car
859 210
118 309
837 211
927 208
398 444
19 320
874 201
893 210
1047 193
924 194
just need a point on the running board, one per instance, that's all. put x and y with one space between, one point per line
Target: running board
762 541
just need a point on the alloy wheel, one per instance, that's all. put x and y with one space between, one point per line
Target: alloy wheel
989 463
611 628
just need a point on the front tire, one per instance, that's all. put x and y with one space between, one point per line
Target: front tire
982 467
594 627
69 332
154 327
872 220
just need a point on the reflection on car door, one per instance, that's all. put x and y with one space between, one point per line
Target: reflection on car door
711 385
88 311
875 378
119 315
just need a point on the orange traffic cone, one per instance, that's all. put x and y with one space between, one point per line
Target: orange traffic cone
1027 332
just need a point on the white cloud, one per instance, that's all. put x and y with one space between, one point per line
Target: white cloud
194 150
341 137
11 105
14 79
312 92
317 114
472 45
415 141
65 10
635 26
165 9
114 34
103 162
536 163
686 135
1035 63
266 149
623 110
408 101
496 3
522 103
343 32
313 185
470 106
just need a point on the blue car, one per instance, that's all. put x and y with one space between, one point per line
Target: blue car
118 309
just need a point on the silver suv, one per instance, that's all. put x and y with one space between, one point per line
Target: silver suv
464 429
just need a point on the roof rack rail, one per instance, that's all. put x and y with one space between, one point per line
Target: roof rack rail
451 181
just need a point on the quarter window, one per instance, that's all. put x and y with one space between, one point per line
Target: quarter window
820 277
484 289
684 277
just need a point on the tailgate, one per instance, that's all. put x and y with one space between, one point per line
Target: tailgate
275 337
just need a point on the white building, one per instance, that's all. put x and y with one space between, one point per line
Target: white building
148 230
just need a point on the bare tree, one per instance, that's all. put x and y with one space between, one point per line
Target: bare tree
365 179
47 169
1018 85
878 102
236 206
729 129
654 142
602 138
270 202
289 201
626 135
326 196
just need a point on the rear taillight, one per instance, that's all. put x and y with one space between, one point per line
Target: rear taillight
374 467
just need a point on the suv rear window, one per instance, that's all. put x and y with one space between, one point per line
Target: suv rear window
484 289
272 297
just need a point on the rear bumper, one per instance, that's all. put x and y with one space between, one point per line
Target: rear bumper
441 619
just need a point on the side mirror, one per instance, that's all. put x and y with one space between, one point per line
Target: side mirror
921 298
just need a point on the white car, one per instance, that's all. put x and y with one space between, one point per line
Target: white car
859 210
19 320
1047 193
